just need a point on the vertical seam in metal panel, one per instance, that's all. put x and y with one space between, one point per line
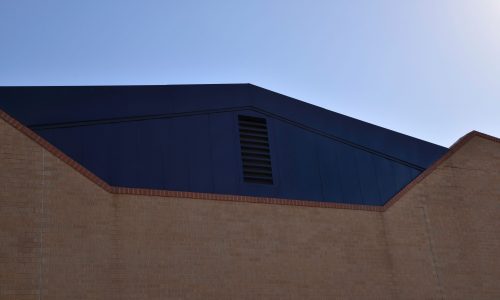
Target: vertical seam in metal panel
377 176
356 170
341 185
394 181
270 151
318 166
237 143
136 142
210 145
274 158
187 159
163 157
166 153
108 162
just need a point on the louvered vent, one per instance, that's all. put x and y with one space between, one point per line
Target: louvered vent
255 153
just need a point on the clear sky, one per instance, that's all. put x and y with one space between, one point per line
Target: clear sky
427 68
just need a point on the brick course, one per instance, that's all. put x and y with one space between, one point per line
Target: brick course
62 236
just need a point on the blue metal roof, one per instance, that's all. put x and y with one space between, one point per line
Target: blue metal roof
187 138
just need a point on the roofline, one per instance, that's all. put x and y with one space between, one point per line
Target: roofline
248 85
346 116
123 85
236 198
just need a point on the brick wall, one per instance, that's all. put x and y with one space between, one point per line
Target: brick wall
64 237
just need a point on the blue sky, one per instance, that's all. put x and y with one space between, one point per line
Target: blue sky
430 69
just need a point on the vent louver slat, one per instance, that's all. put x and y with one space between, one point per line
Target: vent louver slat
256 156
255 153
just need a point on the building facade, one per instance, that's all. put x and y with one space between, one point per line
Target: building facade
67 233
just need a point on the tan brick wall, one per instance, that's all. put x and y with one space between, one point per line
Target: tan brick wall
455 214
63 237
21 180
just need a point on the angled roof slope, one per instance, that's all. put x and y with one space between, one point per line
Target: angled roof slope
186 138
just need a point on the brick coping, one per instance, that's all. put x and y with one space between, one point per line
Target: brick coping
237 198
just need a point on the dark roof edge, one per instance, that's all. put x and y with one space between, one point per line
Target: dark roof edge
264 99
346 116
214 84
122 85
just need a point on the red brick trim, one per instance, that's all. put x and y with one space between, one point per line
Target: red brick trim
454 148
220 197
56 152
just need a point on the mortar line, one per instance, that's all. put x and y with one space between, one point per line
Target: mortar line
431 249
40 275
